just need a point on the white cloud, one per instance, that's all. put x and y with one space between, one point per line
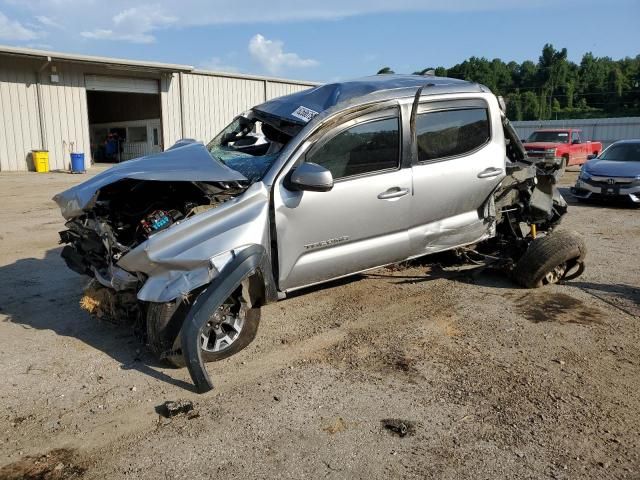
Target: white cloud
216 64
271 55
47 21
14 31
133 25
138 23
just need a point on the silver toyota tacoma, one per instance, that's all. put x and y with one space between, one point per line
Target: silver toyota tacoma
304 189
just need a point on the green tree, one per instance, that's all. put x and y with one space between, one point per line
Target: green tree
514 106
530 106
556 87
385 70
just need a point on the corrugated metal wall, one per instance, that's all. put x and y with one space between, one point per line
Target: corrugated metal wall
210 101
279 89
605 130
194 105
171 112
64 107
66 117
19 122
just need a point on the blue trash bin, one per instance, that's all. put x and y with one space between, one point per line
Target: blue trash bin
77 163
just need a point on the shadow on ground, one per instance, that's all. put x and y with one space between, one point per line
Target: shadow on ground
625 298
44 294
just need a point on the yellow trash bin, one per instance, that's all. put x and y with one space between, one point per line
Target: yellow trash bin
41 160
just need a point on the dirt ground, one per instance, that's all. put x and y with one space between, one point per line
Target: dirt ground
492 381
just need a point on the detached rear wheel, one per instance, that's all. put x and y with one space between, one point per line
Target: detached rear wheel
230 329
551 258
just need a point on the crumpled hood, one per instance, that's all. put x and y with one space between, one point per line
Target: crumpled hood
187 160
610 168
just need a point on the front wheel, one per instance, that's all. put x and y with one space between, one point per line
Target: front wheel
230 329
551 258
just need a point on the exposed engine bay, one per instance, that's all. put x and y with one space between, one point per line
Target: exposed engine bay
128 212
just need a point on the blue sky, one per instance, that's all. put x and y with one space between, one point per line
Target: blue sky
322 40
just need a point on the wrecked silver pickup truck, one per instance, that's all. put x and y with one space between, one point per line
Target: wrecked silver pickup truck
304 189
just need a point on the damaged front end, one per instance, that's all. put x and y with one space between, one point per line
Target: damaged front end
154 233
107 241
157 230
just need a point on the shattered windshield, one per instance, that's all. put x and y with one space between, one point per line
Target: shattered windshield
553 137
249 146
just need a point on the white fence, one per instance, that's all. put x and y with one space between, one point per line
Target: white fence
605 130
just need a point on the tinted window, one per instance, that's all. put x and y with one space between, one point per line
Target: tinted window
575 136
365 148
622 152
452 132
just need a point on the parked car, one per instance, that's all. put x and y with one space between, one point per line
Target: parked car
307 188
563 147
614 174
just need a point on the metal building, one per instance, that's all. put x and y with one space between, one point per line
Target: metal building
67 103
605 130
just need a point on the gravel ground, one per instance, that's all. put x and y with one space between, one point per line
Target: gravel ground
491 381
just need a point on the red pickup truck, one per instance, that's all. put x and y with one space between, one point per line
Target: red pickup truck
564 146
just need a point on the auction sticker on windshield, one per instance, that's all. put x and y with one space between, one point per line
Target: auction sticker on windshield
303 113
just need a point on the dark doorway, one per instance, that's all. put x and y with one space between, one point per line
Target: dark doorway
123 125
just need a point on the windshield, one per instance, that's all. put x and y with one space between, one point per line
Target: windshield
623 152
552 137
248 146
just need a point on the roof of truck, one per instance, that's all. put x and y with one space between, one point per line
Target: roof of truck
300 107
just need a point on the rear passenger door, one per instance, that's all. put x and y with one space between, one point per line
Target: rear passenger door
460 161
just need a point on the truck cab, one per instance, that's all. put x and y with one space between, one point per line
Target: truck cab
563 146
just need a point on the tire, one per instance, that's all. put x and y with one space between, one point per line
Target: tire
563 167
164 321
564 251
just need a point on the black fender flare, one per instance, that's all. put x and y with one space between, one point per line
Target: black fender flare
251 260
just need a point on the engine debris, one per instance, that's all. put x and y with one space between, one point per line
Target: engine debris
107 304
172 408
399 427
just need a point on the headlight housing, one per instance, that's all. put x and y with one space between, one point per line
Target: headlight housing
550 153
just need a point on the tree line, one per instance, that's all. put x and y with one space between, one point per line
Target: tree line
554 87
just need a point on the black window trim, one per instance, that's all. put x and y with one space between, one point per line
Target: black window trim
386 114
445 106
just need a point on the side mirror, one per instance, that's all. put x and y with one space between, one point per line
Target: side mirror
576 142
591 156
311 177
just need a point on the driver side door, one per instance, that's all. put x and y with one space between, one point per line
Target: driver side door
362 222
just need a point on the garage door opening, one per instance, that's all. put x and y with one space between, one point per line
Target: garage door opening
124 117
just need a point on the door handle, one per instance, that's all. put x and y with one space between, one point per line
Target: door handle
490 172
394 192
